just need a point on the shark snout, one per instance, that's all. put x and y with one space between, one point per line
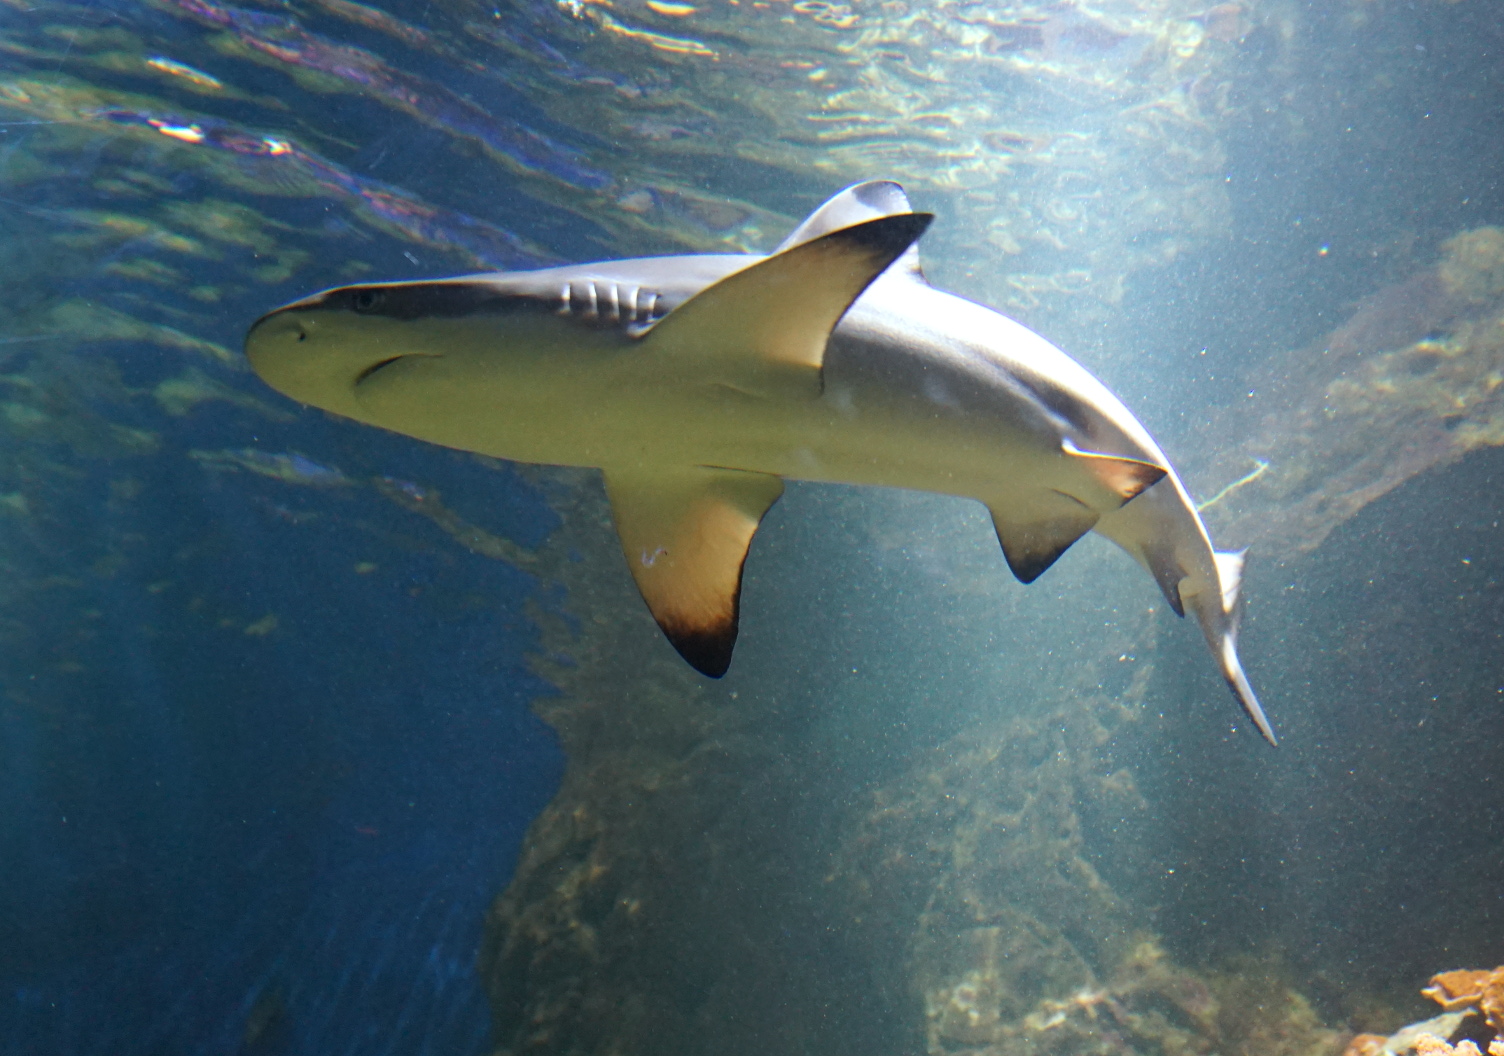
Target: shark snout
289 322
271 331
275 345
322 353
310 354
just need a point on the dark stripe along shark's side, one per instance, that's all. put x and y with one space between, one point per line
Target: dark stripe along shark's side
698 383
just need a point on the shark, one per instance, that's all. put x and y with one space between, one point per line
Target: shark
698 383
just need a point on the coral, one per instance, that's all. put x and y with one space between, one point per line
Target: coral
1480 991
1431 1045
1461 994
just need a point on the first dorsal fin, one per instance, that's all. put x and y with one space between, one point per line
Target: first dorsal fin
685 532
859 202
762 330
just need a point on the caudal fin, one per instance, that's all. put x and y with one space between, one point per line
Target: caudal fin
1223 637
1221 628
1237 681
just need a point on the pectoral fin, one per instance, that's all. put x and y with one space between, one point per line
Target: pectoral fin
1034 539
762 330
685 532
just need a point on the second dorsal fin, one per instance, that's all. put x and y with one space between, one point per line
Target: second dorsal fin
1123 477
1230 572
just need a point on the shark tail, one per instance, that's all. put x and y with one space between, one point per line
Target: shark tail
1221 630
1148 527
1232 670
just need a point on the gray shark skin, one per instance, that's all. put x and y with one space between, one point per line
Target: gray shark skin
698 383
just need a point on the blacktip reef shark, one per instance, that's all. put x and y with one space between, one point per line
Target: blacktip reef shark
699 383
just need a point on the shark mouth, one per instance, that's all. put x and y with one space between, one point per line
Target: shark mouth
381 364
374 367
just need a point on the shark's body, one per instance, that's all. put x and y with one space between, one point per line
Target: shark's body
698 383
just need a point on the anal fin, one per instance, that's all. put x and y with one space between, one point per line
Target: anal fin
1034 539
1162 564
685 531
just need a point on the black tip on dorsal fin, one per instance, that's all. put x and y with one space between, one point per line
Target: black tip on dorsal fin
763 330
857 204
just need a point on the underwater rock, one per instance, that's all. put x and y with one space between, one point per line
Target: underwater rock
428 503
1412 381
290 468
973 871
1472 266
179 394
975 878
676 888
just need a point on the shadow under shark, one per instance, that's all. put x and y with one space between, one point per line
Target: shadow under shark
698 383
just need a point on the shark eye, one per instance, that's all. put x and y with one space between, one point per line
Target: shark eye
368 300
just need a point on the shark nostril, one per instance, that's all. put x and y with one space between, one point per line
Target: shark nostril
302 334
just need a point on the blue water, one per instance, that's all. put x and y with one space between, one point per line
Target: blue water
317 816
266 752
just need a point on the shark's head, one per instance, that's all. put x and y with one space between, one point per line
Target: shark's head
322 349
459 362
318 350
